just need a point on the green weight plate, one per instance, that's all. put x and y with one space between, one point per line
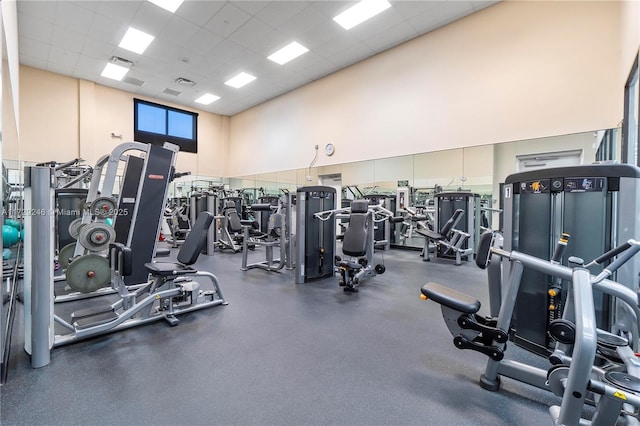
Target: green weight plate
74 227
65 254
103 207
88 273
96 236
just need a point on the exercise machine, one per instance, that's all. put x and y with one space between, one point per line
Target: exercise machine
315 239
359 241
230 228
447 240
573 372
278 234
598 206
205 201
172 290
459 241
135 207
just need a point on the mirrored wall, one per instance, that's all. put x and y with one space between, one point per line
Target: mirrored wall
477 169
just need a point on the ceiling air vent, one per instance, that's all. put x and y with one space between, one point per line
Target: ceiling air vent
185 82
171 92
121 61
134 81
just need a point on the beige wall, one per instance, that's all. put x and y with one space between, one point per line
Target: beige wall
63 118
516 70
630 37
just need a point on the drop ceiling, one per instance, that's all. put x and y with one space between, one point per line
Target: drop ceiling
208 42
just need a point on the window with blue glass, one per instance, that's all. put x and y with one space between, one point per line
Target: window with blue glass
157 124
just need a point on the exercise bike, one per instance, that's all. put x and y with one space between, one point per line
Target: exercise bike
572 374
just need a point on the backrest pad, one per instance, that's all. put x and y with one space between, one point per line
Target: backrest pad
196 239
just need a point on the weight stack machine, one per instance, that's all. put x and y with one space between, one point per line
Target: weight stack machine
315 239
205 202
598 206
445 204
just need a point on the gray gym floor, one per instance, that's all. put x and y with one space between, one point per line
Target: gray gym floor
280 354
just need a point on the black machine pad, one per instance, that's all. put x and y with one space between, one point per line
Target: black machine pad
451 298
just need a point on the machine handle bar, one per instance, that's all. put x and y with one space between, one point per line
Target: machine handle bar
560 248
611 253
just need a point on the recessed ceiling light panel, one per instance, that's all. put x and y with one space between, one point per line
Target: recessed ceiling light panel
114 72
288 53
207 98
240 80
360 12
136 40
170 5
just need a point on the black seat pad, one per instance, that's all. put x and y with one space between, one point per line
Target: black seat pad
166 269
451 298
430 234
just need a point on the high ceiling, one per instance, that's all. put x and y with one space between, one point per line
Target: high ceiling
208 42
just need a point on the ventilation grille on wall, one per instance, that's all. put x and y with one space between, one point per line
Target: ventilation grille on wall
185 82
171 92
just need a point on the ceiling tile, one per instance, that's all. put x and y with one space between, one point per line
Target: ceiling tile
34 61
199 12
69 15
351 55
309 17
203 41
120 10
252 7
479 5
94 6
409 9
34 28
100 49
391 37
332 8
34 48
337 43
446 13
276 13
87 67
227 20
106 28
150 18
178 31
72 40
43 10
254 35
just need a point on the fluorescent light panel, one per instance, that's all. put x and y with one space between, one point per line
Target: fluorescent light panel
170 5
114 72
287 53
207 98
136 40
360 12
240 80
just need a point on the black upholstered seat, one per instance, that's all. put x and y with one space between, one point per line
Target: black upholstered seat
188 253
354 242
